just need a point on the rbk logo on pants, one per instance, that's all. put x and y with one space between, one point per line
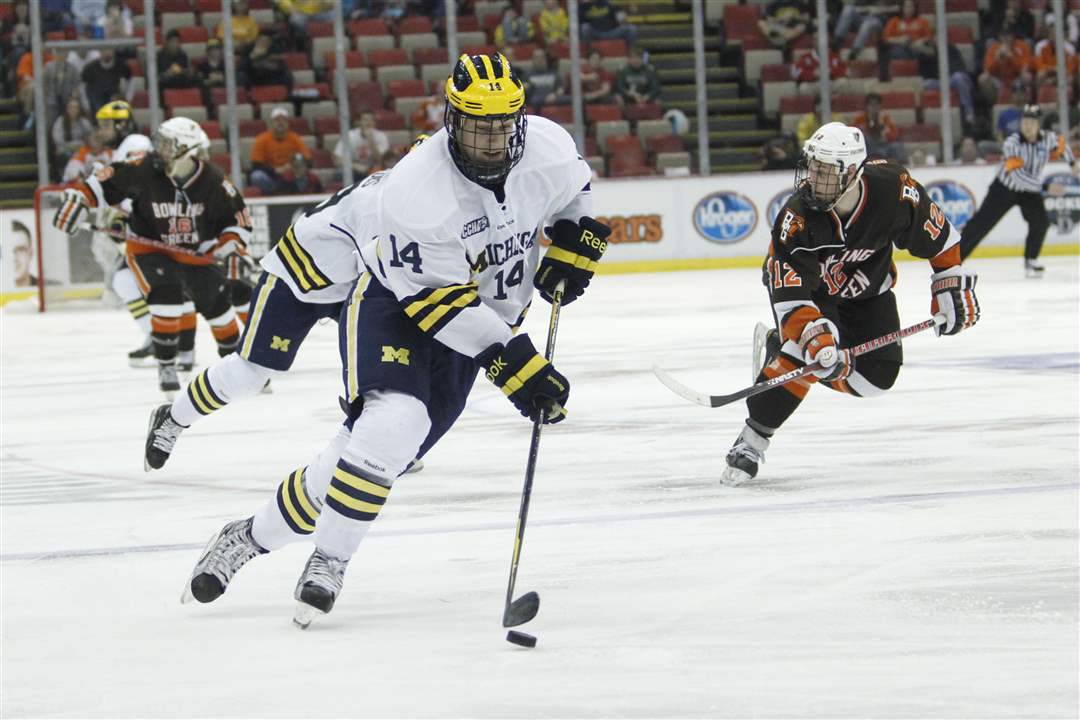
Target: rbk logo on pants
391 354
278 344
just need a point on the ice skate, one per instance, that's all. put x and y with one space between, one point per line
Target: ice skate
766 348
160 437
142 356
743 457
168 381
228 551
185 361
1033 268
266 389
318 587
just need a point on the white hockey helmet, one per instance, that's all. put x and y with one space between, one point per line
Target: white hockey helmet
177 143
832 161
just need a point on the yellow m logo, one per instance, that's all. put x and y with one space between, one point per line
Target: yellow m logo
279 344
391 354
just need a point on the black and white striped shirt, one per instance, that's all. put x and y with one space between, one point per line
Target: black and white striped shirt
1022 167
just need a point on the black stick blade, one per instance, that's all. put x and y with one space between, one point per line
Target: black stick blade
521 610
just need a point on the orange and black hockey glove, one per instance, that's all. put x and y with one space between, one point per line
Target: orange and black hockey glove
952 293
575 252
820 344
527 379
72 212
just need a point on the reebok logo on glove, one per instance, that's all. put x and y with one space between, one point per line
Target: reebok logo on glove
497 366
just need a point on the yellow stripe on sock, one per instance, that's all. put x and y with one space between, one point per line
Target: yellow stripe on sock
296 517
351 502
362 484
299 486
203 386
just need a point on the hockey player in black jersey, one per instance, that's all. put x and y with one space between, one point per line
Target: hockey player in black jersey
830 273
185 217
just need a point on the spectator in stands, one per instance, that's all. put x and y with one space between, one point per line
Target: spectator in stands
805 72
272 153
56 15
244 27
637 81
781 152
864 18
367 144
301 12
1044 60
554 23
263 65
542 84
907 36
116 21
71 130
299 179
959 79
968 153
428 115
513 28
106 79
600 21
1010 15
24 82
211 69
1006 60
82 162
174 67
596 81
1009 119
86 13
811 121
61 81
16 28
882 135
783 22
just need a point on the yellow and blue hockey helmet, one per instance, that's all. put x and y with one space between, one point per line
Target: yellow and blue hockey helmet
485 117
122 117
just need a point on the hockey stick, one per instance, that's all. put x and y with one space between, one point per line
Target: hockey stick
520 611
713 401
123 237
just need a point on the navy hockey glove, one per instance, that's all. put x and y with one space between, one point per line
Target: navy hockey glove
819 345
531 382
953 295
575 251
72 212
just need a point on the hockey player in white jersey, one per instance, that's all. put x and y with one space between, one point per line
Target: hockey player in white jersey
117 123
448 274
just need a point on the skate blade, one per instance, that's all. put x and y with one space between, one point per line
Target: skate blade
733 477
305 614
138 363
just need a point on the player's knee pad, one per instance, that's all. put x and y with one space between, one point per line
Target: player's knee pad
234 377
388 434
872 377
124 285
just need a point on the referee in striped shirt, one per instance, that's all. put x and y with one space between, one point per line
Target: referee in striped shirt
1018 183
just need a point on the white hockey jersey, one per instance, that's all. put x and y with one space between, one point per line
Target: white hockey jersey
316 257
460 261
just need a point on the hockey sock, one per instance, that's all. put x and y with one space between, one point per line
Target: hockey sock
231 378
165 332
771 409
353 501
226 332
140 313
187 335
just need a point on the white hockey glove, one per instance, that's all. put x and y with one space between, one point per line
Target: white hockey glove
73 211
820 344
952 294
238 266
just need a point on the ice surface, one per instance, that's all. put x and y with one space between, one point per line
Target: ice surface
910 555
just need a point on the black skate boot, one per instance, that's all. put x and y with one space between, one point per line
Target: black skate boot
142 356
161 437
744 456
227 552
318 587
168 381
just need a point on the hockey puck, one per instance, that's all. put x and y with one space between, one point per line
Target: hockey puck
520 638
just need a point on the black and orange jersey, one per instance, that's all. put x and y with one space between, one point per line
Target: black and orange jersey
818 257
195 218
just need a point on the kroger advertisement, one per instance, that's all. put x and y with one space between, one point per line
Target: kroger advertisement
731 216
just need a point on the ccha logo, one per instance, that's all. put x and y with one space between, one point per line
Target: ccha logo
473 227
777 204
955 199
1063 211
725 217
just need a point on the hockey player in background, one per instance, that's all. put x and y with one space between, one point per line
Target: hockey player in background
305 278
449 264
185 217
117 123
829 273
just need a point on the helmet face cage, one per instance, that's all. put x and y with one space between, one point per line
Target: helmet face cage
485 148
820 184
170 154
